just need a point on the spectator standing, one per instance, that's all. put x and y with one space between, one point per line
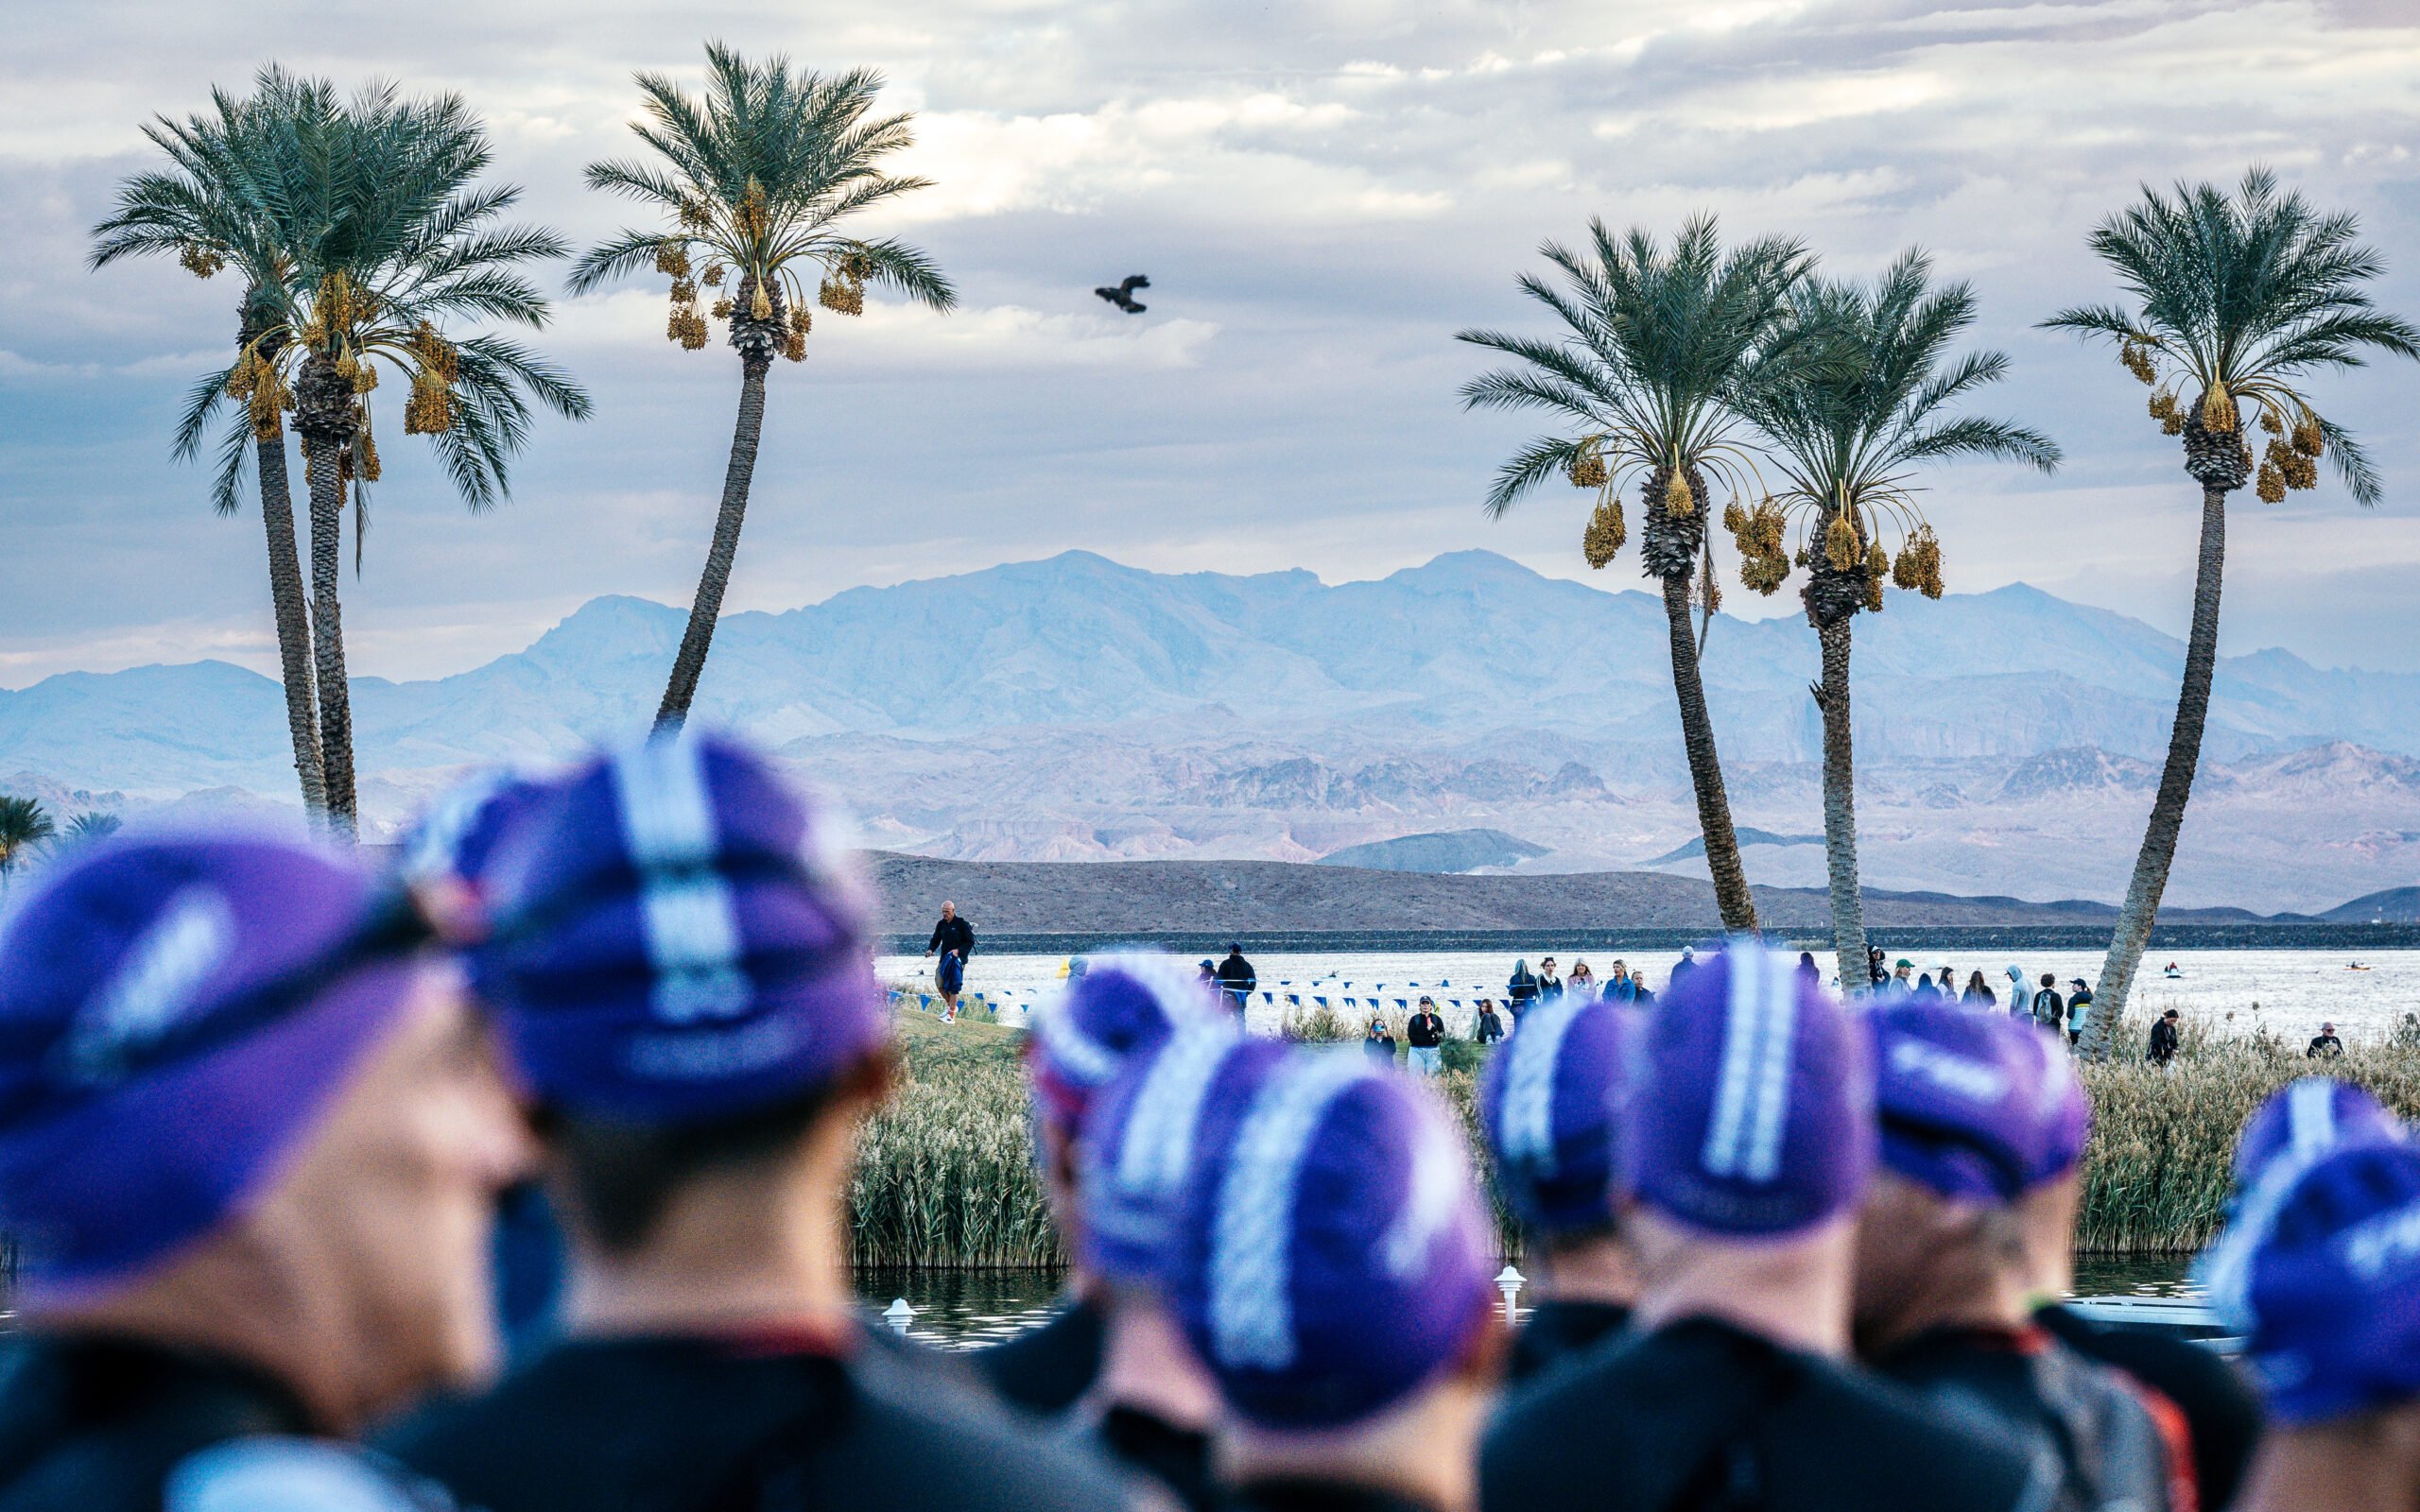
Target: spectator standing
1237 978
1743 1173
2049 1012
2164 1041
2078 1010
1582 983
1618 986
2325 1045
1640 996
1978 994
1425 1038
1488 1028
951 932
2021 997
1923 988
1520 989
1379 1043
1901 980
1549 982
1687 963
260 1135
1874 973
1808 970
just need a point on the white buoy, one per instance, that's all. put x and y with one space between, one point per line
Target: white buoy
1507 1280
898 1314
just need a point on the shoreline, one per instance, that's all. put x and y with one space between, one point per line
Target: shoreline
1518 941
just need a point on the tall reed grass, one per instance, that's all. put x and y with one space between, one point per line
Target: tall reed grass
946 1177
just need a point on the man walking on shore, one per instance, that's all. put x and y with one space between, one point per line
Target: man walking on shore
955 939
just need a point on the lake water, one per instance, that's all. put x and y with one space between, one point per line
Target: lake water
2227 992
965 1310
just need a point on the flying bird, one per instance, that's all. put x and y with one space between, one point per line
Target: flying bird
1123 295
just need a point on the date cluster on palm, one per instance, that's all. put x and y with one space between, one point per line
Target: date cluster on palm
1764 554
1605 534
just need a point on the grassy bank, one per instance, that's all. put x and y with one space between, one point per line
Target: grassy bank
947 1175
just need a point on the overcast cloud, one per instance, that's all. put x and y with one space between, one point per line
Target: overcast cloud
1322 192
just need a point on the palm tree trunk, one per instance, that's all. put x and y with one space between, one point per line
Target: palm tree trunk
691 663
1839 805
2141 909
327 632
1705 766
293 625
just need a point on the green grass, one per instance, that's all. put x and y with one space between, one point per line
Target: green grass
946 1177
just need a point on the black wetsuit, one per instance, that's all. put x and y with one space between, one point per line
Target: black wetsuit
2221 1416
1046 1368
739 1425
2117 1444
1556 1330
1178 1459
1700 1415
96 1424
1319 1496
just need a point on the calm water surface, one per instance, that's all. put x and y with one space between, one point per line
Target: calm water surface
965 1310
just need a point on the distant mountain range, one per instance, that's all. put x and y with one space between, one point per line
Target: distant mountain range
1076 709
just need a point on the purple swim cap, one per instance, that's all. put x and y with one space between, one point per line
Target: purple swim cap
677 938
1967 1103
2063 1110
2304 1119
2328 1284
1126 1003
176 1012
1330 1256
1752 1110
455 838
1136 1147
1550 1104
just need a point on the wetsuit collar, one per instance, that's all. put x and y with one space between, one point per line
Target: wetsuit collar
1298 1494
123 1367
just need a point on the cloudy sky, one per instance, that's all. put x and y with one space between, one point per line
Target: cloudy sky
1322 192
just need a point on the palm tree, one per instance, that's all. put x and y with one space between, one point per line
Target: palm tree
1649 371
1846 432
391 243
90 825
2232 301
24 826
753 184
197 209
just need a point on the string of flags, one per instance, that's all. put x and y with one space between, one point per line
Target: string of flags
1014 1007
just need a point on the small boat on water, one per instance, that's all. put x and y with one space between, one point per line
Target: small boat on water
2356 966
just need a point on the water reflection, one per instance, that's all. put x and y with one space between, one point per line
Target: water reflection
966 1309
962 1309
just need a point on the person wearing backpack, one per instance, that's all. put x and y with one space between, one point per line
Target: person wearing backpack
2049 1010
